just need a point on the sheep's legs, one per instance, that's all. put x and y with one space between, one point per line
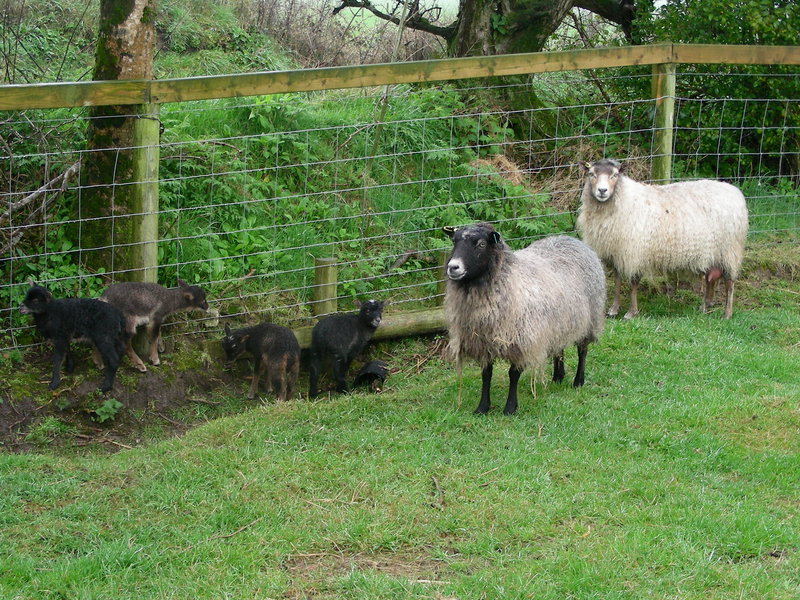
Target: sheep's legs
130 333
313 374
513 379
134 358
583 347
111 358
613 311
709 286
60 349
154 333
486 378
558 367
728 299
340 374
633 309
258 369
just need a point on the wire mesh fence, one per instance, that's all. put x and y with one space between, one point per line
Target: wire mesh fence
252 191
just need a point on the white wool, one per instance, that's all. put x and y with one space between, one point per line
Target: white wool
645 230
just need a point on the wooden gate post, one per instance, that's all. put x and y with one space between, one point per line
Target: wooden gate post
144 205
324 291
664 95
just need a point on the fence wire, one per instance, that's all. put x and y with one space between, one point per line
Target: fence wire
253 190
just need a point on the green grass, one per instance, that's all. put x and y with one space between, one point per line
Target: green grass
671 474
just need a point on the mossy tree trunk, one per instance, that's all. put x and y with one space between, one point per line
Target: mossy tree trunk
119 196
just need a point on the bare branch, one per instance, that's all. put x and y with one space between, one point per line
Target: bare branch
57 184
417 22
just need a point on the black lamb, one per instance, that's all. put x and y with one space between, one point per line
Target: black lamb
80 319
340 338
274 349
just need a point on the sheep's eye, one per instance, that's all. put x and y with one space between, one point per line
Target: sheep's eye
614 175
593 175
481 243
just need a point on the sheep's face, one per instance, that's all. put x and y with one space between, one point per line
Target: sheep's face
370 312
35 300
602 177
473 248
233 343
194 295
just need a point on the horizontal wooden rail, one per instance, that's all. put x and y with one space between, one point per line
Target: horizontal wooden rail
98 93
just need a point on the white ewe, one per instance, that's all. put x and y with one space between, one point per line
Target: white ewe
641 230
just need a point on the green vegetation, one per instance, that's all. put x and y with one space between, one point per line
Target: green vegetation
670 474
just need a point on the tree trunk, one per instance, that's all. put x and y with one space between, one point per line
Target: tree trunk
125 45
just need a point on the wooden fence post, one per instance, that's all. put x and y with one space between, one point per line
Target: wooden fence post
664 95
325 278
144 250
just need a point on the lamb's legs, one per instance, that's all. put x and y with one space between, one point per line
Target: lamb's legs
558 367
728 299
313 374
258 369
60 348
513 380
154 333
633 309
111 358
486 378
131 354
582 346
340 374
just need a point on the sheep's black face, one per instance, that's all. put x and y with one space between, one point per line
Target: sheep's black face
602 178
233 343
473 249
35 301
371 312
195 296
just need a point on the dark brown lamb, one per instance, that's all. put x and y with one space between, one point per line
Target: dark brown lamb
149 304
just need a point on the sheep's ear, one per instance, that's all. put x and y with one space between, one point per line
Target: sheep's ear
494 237
450 230
182 283
621 168
227 329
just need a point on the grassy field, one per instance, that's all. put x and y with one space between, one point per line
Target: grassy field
672 474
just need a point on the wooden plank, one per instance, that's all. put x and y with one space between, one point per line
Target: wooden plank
740 55
82 93
54 95
226 86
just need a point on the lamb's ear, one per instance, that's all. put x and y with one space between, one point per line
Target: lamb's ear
227 329
622 168
494 237
182 283
357 303
450 230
